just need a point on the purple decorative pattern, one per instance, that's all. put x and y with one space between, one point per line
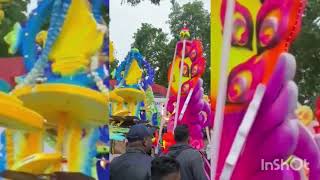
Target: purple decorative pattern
276 133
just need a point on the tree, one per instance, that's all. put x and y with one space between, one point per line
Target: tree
13 13
153 44
156 47
306 49
113 67
136 2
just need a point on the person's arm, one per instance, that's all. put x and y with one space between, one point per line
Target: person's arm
197 167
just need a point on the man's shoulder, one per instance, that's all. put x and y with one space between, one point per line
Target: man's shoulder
192 150
131 167
115 160
146 159
191 154
136 158
119 157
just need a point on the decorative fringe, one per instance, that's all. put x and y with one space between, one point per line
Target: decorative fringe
57 19
96 10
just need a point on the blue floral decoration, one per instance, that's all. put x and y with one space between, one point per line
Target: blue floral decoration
147 77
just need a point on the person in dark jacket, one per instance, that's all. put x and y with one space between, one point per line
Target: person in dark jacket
135 164
165 168
190 160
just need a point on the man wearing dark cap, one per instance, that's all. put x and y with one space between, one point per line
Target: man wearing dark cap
135 164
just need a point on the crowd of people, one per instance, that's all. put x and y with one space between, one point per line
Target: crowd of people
182 162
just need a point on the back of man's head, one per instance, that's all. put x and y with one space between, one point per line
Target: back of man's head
165 168
139 136
181 134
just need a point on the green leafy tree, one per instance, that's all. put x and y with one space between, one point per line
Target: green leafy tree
153 44
306 49
136 2
113 67
14 12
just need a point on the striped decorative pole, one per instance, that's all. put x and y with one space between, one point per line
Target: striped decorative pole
164 110
184 34
180 84
221 99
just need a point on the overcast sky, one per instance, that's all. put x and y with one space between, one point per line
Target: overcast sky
125 20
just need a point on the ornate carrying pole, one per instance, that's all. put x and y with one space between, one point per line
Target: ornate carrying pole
183 37
218 119
184 40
